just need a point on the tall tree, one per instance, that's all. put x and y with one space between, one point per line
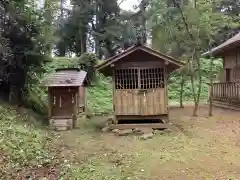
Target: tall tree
187 24
25 46
143 20
48 12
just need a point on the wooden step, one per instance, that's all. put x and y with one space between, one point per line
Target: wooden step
143 125
61 124
64 128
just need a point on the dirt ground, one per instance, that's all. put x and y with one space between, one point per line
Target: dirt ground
202 148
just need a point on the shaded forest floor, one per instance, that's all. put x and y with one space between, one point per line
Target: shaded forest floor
202 148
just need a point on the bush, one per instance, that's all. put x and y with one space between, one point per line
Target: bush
175 79
99 96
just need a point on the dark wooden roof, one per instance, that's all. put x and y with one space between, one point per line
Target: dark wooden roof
144 48
230 43
65 77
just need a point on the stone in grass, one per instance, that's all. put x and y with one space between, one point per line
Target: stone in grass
125 132
147 130
146 136
115 130
168 130
105 129
137 131
110 121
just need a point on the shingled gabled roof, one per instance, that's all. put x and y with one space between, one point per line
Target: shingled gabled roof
230 43
65 77
176 63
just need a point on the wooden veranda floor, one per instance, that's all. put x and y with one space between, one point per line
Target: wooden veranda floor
226 103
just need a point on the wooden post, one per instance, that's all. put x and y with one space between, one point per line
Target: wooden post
84 98
49 103
113 91
74 117
77 99
166 86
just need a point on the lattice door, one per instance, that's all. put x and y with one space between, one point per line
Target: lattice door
126 97
139 91
152 96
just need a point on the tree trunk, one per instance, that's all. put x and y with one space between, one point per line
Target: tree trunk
181 91
199 86
97 47
61 49
81 46
194 96
143 6
61 8
78 49
210 110
97 29
83 43
14 95
197 99
210 100
16 85
49 49
211 89
196 59
194 4
61 45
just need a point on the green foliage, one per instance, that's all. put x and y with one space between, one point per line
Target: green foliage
36 95
85 62
99 96
37 100
175 79
21 143
169 28
60 62
96 24
25 47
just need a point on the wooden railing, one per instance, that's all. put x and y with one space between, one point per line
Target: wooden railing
229 91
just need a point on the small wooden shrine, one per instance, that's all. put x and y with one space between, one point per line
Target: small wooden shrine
66 97
140 95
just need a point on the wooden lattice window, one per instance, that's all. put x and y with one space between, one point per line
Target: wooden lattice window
126 78
152 78
139 78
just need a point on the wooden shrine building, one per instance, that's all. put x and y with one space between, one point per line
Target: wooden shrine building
226 92
140 95
66 97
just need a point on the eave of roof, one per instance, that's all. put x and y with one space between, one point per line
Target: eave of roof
65 77
232 42
130 50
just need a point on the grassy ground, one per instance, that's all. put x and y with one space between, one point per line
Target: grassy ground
26 146
199 148
202 148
